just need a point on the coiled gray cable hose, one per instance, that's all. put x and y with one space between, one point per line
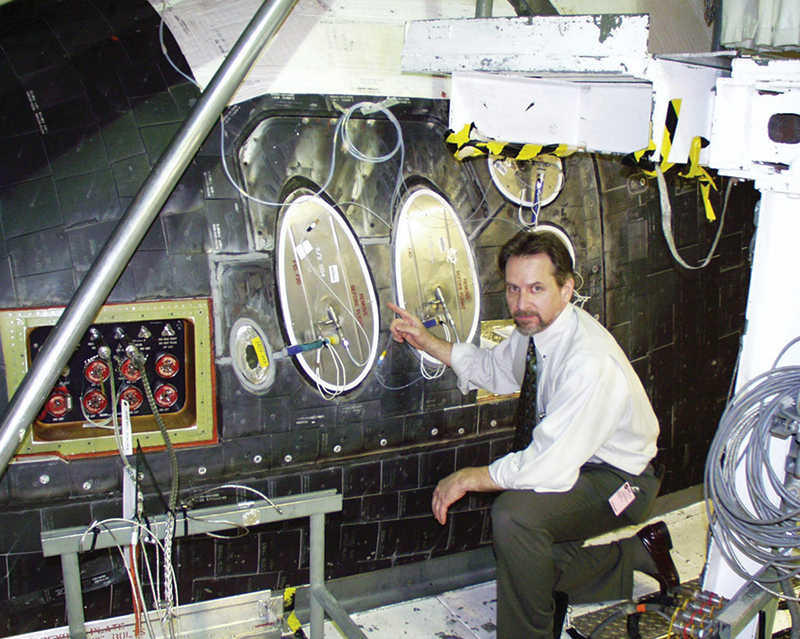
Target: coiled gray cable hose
758 518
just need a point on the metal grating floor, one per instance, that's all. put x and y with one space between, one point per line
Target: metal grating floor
470 613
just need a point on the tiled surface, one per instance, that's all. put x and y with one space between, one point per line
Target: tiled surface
470 613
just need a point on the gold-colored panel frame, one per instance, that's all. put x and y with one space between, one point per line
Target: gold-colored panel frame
196 425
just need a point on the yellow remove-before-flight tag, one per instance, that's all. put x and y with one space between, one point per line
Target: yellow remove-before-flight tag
261 352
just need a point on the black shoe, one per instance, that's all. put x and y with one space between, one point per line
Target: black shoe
657 541
561 601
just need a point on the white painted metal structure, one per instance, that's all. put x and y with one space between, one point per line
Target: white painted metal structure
741 147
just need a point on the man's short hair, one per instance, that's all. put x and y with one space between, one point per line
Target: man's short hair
527 243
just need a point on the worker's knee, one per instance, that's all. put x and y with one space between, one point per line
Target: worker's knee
513 518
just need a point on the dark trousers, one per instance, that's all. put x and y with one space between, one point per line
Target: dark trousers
538 542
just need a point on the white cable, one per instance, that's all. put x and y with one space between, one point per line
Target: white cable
666 222
242 487
341 125
440 367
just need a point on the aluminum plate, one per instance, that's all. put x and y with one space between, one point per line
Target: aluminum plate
326 290
435 274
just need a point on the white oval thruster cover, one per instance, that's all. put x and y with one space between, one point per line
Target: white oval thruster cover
326 291
434 268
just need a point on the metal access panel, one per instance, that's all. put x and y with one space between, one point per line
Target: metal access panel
434 268
256 614
77 417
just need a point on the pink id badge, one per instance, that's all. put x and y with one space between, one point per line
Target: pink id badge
621 499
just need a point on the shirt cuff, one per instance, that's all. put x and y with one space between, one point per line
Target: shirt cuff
461 359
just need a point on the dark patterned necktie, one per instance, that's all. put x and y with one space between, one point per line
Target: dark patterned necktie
526 408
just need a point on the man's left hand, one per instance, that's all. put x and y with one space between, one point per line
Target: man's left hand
455 486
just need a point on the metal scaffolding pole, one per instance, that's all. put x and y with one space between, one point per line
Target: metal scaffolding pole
118 250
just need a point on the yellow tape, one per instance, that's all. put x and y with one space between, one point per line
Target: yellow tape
699 172
643 158
469 142
291 619
261 352
670 126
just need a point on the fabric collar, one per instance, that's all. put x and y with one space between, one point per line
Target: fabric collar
548 340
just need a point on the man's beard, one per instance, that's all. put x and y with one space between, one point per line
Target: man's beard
529 329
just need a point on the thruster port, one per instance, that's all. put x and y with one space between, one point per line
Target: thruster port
94 402
165 395
167 365
97 371
129 371
133 396
58 404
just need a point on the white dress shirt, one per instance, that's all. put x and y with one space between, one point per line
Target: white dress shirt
591 403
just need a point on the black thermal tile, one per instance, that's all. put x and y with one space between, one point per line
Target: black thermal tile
66 516
8 296
347 413
337 442
362 479
157 138
297 447
275 415
442 391
94 476
330 478
122 138
410 536
194 557
285 485
76 151
661 308
47 289
415 502
423 428
185 232
32 572
157 109
188 193
199 464
140 81
29 207
190 275
216 185
380 507
403 394
130 174
460 421
239 418
359 543
496 415
436 465
38 481
88 199
466 529
279 550
16 115
247 455
383 434
236 556
400 473
125 288
322 417
32 48
152 274
186 96
27 527
477 454
309 404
